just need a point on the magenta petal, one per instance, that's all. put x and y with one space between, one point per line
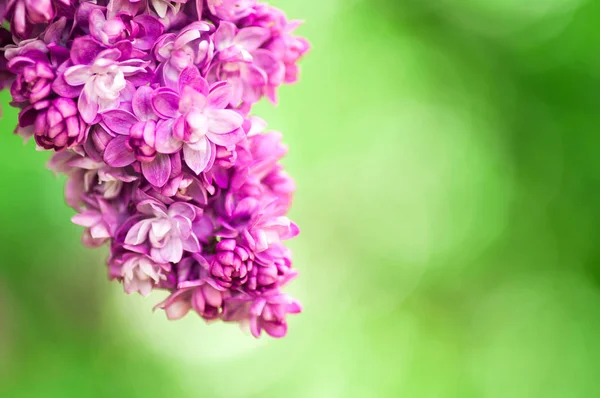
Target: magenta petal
165 104
158 171
153 29
84 50
191 77
254 327
274 329
64 89
117 154
220 95
142 104
119 121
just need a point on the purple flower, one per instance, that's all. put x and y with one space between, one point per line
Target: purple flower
230 10
282 51
142 30
236 63
198 120
167 232
100 220
289 49
147 106
203 296
161 8
56 123
191 47
136 138
34 78
25 13
34 64
139 273
231 264
267 312
100 82
89 176
258 222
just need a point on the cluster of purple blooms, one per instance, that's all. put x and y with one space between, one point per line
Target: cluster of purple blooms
147 106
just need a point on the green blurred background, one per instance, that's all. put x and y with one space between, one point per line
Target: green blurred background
448 194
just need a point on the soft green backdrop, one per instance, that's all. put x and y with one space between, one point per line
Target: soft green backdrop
446 155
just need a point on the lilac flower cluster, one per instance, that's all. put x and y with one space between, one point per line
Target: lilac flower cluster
147 106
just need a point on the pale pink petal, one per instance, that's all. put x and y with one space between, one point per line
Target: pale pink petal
197 159
78 75
88 103
172 252
87 218
252 38
165 141
138 233
222 121
224 35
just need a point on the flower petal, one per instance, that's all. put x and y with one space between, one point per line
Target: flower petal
227 140
165 141
84 50
222 121
142 104
62 88
171 252
224 35
252 38
117 154
191 244
220 95
191 77
198 159
119 121
158 171
87 218
138 233
78 75
153 28
88 104
152 207
165 103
